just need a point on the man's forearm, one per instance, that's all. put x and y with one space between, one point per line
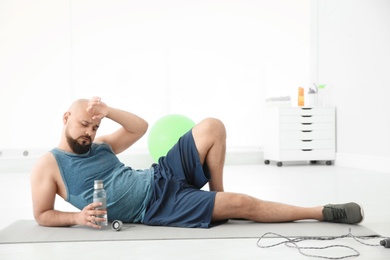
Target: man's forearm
55 218
130 122
133 128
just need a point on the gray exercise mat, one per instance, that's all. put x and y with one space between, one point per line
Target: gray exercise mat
28 231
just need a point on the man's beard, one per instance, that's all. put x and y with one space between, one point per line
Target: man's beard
77 147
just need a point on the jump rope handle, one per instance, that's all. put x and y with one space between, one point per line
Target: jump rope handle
385 242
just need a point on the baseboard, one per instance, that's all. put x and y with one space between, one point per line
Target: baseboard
12 161
141 159
234 155
19 160
363 162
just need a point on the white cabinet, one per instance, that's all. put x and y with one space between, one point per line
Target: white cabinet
299 134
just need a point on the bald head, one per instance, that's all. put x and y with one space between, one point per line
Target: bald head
78 105
78 111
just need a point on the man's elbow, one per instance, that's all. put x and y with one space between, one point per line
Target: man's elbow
42 219
145 129
39 219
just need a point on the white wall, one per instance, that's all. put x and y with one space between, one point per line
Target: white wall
230 55
353 59
198 58
34 72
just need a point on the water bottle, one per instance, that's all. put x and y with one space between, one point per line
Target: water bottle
99 195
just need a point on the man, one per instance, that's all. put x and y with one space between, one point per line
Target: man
169 193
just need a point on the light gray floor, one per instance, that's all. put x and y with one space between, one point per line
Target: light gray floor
305 185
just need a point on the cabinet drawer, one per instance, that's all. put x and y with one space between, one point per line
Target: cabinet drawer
308 119
307 126
307 144
315 154
306 135
298 111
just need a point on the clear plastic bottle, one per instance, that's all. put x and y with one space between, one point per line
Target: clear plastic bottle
99 195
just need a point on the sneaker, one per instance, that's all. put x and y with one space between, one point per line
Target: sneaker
349 213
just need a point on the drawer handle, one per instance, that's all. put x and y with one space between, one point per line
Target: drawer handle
306 116
306 131
306 108
307 140
307 150
306 123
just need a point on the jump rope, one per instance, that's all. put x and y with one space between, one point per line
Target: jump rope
293 243
117 225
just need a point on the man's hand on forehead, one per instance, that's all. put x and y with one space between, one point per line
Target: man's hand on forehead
97 109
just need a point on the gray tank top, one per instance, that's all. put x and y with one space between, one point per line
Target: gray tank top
128 190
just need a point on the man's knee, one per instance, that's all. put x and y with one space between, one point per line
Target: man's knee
233 205
213 126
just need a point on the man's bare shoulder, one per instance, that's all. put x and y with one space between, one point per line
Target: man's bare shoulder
46 172
45 164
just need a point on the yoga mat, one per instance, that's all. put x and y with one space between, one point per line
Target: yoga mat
28 231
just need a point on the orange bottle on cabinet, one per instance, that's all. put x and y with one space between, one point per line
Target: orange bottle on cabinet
301 97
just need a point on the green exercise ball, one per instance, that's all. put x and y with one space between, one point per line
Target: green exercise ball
166 132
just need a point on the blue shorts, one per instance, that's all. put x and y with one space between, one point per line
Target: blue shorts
177 199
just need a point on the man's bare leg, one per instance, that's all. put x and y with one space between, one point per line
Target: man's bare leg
240 206
210 140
